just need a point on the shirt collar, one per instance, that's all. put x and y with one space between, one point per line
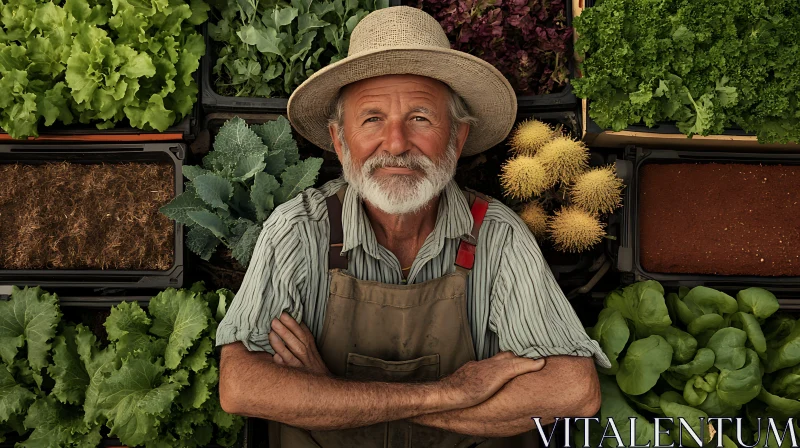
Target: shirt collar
453 220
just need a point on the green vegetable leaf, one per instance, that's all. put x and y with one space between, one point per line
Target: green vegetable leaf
55 424
706 322
181 317
738 387
759 302
262 195
191 171
211 222
703 360
28 319
728 346
178 209
643 363
68 371
709 301
297 178
198 358
213 190
14 398
694 417
612 333
614 407
200 388
235 137
749 324
128 326
642 303
134 398
202 242
786 352
99 364
277 135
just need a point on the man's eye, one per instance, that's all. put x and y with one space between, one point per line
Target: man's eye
371 120
420 119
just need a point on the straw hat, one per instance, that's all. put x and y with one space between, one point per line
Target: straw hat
406 40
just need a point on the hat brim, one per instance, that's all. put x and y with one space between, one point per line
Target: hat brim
489 96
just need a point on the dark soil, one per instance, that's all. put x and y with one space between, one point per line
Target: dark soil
86 216
723 219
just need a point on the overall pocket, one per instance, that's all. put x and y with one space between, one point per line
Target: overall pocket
367 368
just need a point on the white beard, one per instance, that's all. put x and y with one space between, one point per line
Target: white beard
399 194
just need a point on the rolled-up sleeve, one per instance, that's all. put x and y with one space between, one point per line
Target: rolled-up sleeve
529 312
271 286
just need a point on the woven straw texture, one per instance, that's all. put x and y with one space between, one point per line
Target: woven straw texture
405 40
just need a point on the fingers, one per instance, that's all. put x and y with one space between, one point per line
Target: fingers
281 350
291 334
532 365
277 358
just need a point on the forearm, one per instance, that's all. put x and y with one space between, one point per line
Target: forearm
565 387
254 386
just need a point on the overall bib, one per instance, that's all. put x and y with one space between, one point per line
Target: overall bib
383 332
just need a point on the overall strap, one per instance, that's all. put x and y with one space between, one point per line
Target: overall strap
479 204
334 202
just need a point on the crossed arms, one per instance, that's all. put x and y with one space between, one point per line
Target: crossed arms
495 397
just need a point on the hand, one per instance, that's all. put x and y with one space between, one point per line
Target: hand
477 381
294 346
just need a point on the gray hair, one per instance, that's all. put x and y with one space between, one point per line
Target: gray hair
456 107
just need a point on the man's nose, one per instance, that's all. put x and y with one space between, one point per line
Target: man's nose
396 141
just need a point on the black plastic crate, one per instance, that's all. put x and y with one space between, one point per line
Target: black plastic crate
628 256
101 153
214 102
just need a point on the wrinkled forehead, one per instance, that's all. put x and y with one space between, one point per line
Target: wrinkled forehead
391 87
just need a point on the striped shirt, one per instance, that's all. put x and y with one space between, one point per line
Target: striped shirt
513 300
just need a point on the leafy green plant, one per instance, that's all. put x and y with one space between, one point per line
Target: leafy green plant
98 62
228 199
696 353
706 66
268 48
153 385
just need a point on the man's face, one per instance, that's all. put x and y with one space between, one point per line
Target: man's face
399 150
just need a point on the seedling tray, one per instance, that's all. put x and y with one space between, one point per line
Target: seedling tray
629 257
173 154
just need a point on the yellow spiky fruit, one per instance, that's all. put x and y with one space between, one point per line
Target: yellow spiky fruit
598 190
523 177
530 136
564 158
574 230
535 217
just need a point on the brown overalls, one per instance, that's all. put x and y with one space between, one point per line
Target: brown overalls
383 332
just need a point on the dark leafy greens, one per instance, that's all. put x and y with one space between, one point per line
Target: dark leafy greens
706 66
266 48
229 198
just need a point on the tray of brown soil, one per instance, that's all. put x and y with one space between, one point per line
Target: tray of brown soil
713 218
87 215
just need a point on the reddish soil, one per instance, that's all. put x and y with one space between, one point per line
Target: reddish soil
86 216
724 219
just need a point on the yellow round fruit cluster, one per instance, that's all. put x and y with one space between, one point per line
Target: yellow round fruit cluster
545 161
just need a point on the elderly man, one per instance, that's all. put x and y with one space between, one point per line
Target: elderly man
390 308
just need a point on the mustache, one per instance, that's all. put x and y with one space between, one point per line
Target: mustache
417 162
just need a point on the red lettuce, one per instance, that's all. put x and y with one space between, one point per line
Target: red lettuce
529 41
